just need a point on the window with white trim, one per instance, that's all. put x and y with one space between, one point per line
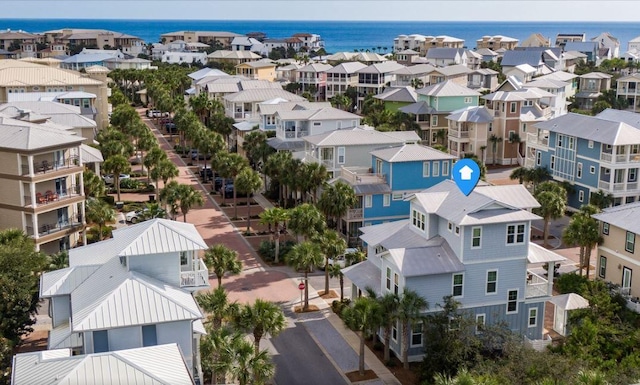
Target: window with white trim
396 284
476 237
630 243
426 167
445 168
458 282
581 196
436 168
492 281
450 226
592 169
386 200
457 231
416 335
605 228
481 320
533 317
468 100
590 144
434 120
397 196
512 301
388 279
602 271
515 234
552 164
394 331
579 170
418 220
368 201
341 155
513 107
538 158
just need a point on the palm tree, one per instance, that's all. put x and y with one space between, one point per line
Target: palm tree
601 199
315 174
117 164
410 309
553 202
188 197
248 182
336 200
164 170
335 271
145 143
216 304
170 195
306 220
250 368
305 256
538 175
494 146
389 306
482 150
230 165
276 168
260 318
218 351
100 212
583 230
514 139
362 317
331 244
59 260
220 260
273 217
93 185
209 142
152 159
520 173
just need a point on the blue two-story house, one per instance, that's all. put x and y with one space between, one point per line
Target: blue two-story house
474 248
591 153
396 172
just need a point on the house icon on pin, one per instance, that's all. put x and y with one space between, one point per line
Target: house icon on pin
465 173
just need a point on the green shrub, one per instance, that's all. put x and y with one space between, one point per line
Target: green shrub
338 306
92 234
129 184
267 250
571 283
109 200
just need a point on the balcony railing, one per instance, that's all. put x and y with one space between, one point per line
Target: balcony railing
617 187
328 163
620 158
354 177
52 228
606 157
49 196
48 165
458 133
355 214
535 139
195 278
537 286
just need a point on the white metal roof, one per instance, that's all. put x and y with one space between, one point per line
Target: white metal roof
447 88
153 365
360 138
90 154
410 153
159 236
593 128
538 254
570 301
19 135
364 274
435 258
64 281
262 94
624 216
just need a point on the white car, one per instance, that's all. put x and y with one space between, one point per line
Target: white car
340 260
108 179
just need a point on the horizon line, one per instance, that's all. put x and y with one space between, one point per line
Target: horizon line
331 20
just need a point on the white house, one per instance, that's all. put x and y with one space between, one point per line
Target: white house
606 40
131 291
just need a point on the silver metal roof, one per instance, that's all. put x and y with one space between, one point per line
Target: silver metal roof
477 114
410 153
262 94
570 301
437 258
360 137
364 274
538 254
624 217
447 88
628 117
592 128
398 94
19 135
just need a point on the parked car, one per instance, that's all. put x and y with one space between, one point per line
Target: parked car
196 155
108 179
227 190
208 172
171 128
218 182
340 260
153 113
139 215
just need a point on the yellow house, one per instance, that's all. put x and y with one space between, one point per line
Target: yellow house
23 77
41 187
257 70
618 258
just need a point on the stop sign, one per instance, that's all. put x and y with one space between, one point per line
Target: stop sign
301 286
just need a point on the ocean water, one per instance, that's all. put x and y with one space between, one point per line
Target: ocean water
340 35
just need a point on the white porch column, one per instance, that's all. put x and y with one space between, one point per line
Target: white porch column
550 273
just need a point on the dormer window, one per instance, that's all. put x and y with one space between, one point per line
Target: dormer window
418 220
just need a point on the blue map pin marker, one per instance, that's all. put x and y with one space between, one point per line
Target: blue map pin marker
466 174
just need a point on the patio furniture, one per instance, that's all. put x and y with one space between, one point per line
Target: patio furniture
51 196
40 198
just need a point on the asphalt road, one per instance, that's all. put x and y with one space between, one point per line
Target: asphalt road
304 362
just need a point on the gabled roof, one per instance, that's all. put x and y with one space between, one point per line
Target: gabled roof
518 95
364 274
444 53
405 94
559 75
315 68
476 208
581 46
632 77
64 281
456 69
447 88
432 259
359 137
392 235
546 83
30 74
381 68
267 108
205 72
570 301
596 75
593 128
476 114
417 69
486 52
347 68
410 153
152 365
624 217
256 64
158 236
340 56
325 113
262 94
628 117
418 108
90 154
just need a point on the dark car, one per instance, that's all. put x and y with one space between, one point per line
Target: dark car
218 182
228 192
207 172
171 128
197 155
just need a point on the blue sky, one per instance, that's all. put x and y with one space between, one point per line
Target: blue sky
508 10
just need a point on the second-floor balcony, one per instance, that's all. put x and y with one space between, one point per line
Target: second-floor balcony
354 176
619 158
618 187
355 214
195 278
537 286
538 139
54 227
43 198
459 133
328 163
43 166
